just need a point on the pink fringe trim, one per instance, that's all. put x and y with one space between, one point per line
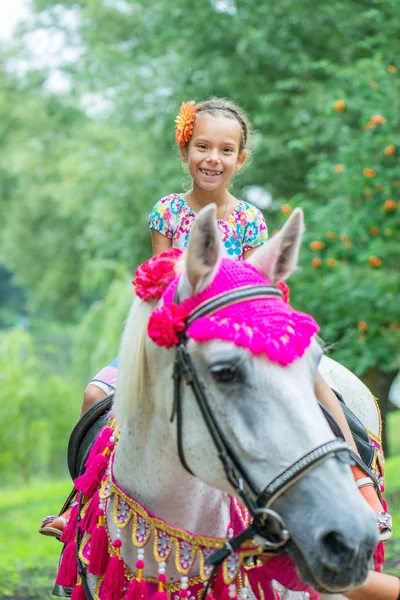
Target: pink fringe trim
282 343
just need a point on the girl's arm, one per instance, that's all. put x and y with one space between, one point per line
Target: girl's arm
329 399
160 242
248 253
377 587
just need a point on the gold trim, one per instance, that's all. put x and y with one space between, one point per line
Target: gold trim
193 553
114 513
82 547
135 541
154 522
156 553
97 588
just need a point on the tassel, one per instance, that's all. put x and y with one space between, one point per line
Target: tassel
99 558
91 479
89 521
69 532
379 556
161 593
138 588
79 592
68 571
184 592
218 586
100 444
114 579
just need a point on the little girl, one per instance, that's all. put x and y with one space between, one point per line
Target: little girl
213 139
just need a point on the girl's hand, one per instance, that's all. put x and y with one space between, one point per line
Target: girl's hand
377 587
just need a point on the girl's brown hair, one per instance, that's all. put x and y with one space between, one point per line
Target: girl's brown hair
230 110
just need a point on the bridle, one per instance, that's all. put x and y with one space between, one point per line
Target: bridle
268 527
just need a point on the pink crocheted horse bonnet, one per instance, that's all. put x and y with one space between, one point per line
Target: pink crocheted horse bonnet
262 325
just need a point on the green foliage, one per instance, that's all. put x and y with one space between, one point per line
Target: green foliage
77 184
353 222
28 561
38 415
98 336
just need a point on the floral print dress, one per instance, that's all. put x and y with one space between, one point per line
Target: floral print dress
242 230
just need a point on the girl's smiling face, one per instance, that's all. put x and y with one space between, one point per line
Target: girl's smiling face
213 153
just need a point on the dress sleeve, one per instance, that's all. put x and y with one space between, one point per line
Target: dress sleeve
256 231
161 217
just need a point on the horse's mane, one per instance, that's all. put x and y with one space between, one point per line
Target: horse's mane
133 368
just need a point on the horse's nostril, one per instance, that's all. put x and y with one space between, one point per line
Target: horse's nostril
336 552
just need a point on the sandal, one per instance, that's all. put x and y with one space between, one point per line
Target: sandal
54 525
384 523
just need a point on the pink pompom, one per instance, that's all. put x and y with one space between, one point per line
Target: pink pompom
165 323
154 276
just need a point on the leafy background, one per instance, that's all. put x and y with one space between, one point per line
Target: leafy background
81 166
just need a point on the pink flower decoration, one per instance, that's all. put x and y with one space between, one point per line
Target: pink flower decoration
284 289
154 276
165 323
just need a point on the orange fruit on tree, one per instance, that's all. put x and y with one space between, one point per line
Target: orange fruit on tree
339 168
362 326
369 172
391 69
331 262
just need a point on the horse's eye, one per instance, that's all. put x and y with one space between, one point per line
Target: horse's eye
226 374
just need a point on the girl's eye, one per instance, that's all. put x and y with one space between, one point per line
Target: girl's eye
228 150
202 146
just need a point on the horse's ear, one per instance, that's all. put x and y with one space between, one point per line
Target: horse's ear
203 253
278 258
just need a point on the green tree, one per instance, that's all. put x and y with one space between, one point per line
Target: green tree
353 219
37 413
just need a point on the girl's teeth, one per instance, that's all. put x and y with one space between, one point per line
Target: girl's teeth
211 173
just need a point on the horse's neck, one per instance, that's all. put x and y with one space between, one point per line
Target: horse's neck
148 468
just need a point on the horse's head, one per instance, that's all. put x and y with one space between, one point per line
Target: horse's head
256 362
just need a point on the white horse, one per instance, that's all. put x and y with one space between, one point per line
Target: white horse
271 416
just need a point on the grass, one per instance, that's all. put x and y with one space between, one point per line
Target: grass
28 561
393 422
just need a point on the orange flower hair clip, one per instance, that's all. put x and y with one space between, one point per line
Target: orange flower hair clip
184 122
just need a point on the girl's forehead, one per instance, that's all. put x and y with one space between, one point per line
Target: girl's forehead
219 128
